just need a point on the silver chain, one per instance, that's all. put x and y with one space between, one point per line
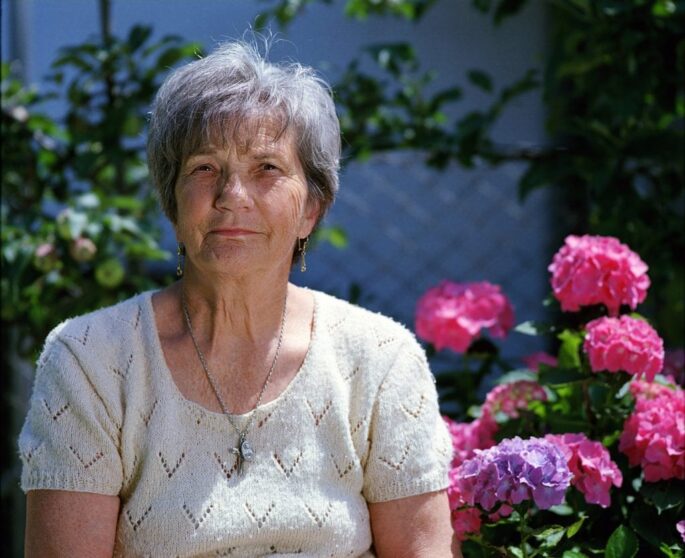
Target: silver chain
213 383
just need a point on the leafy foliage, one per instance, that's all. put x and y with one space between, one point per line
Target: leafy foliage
79 221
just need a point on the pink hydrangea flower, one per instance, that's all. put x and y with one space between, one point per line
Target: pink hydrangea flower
590 463
465 519
624 343
452 315
648 390
513 471
534 360
591 270
512 397
654 435
470 436
680 527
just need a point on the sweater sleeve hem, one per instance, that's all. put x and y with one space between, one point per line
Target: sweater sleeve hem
58 480
398 490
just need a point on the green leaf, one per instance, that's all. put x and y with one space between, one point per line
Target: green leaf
336 236
664 495
559 376
109 273
562 509
507 8
575 527
393 56
127 203
170 56
568 352
534 328
137 36
622 543
573 554
550 535
87 201
517 375
480 79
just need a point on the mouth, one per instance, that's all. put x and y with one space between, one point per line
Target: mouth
232 232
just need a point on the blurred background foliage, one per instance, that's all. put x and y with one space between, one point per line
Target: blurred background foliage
79 221
80 224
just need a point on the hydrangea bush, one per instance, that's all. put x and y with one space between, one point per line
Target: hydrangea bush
576 454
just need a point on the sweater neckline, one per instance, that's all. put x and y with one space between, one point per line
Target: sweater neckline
168 382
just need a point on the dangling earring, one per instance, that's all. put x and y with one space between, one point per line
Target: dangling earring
180 253
302 247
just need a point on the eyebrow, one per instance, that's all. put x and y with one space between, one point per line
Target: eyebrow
268 154
205 150
259 154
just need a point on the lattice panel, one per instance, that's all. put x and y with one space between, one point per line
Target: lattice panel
409 227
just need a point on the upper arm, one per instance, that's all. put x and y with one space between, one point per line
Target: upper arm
414 527
71 438
74 524
409 447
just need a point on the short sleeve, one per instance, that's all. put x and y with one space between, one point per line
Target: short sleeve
410 447
70 437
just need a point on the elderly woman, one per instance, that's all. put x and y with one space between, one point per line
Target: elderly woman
234 413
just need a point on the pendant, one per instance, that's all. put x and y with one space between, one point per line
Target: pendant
246 451
243 452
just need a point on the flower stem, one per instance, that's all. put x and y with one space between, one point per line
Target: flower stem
524 533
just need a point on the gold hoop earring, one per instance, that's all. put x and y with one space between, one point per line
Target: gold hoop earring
302 247
180 254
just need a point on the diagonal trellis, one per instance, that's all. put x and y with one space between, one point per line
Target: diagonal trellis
409 227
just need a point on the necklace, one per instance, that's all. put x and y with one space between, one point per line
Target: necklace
243 451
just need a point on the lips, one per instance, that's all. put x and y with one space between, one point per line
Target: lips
232 232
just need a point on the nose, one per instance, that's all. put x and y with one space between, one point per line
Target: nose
233 193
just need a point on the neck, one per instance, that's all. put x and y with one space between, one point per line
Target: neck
237 310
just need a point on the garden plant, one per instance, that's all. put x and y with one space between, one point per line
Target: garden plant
576 454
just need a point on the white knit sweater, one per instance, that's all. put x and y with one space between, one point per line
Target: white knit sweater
359 423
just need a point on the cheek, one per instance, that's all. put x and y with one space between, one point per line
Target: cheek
290 202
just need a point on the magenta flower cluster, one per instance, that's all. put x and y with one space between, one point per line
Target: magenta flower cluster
626 344
510 398
590 270
513 471
470 436
654 434
488 478
452 315
465 519
590 463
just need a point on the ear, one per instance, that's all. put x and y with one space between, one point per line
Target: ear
311 214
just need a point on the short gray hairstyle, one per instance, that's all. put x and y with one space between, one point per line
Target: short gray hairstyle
220 93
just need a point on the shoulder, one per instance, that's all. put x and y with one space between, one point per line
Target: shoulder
361 334
356 321
110 326
105 344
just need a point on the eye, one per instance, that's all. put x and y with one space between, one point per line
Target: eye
203 168
268 167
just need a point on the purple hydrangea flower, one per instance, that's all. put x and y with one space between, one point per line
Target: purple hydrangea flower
513 471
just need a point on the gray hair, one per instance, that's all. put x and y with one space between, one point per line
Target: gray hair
219 94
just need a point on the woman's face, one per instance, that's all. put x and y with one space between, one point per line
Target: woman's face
241 208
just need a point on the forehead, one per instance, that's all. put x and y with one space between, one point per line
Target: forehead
252 134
